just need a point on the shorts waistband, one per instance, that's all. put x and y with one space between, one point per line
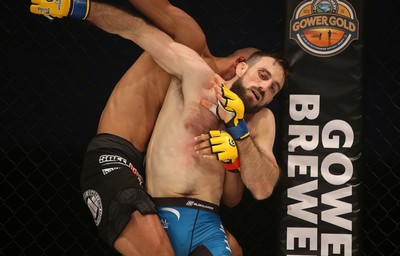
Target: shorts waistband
186 202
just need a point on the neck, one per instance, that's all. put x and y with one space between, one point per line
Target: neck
223 67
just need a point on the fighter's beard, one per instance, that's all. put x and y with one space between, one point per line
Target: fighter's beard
238 88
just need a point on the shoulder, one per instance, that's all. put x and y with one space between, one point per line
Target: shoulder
265 115
261 123
193 62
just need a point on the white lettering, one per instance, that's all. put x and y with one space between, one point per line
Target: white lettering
336 159
298 193
340 208
306 238
307 137
303 164
335 169
337 125
304 106
111 158
341 244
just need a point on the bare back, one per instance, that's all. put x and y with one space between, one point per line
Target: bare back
133 106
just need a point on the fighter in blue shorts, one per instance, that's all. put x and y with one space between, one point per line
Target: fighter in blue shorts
109 178
193 226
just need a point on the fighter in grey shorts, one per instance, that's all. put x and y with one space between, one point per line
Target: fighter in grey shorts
112 184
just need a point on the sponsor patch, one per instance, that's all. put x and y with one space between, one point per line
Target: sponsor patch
108 170
324 28
93 201
164 223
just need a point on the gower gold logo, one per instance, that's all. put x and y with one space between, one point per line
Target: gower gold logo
324 28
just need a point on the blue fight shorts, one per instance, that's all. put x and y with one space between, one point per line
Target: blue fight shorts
192 224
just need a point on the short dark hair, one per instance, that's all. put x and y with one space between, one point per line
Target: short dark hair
287 70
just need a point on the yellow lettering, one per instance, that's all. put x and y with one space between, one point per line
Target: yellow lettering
332 21
324 20
295 26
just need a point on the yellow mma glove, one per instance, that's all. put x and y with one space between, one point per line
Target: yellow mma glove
224 147
76 9
234 106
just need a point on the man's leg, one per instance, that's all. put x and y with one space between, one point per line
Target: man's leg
143 236
124 213
236 249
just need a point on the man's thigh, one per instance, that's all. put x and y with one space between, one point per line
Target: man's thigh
143 235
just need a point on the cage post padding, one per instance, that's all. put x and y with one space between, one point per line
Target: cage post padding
321 124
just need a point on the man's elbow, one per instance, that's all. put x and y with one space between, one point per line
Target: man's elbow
232 201
264 190
261 193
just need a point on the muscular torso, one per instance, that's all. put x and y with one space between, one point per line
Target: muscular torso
135 102
173 168
131 113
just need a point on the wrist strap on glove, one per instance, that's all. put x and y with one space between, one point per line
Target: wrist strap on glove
233 166
239 132
79 9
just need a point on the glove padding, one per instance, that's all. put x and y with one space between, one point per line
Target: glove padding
234 106
76 9
224 147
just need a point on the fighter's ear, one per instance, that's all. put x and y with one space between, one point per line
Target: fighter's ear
241 67
240 59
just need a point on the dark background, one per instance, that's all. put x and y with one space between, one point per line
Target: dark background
55 78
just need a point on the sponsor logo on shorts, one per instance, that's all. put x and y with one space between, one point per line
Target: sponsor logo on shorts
135 171
103 159
221 227
164 223
108 170
93 201
115 159
171 210
324 28
193 203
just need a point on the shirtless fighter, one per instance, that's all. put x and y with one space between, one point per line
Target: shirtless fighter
186 186
135 100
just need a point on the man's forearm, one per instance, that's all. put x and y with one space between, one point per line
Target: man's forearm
112 19
167 53
233 189
259 171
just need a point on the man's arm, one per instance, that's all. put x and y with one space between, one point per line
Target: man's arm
233 189
171 56
259 169
184 29
175 22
